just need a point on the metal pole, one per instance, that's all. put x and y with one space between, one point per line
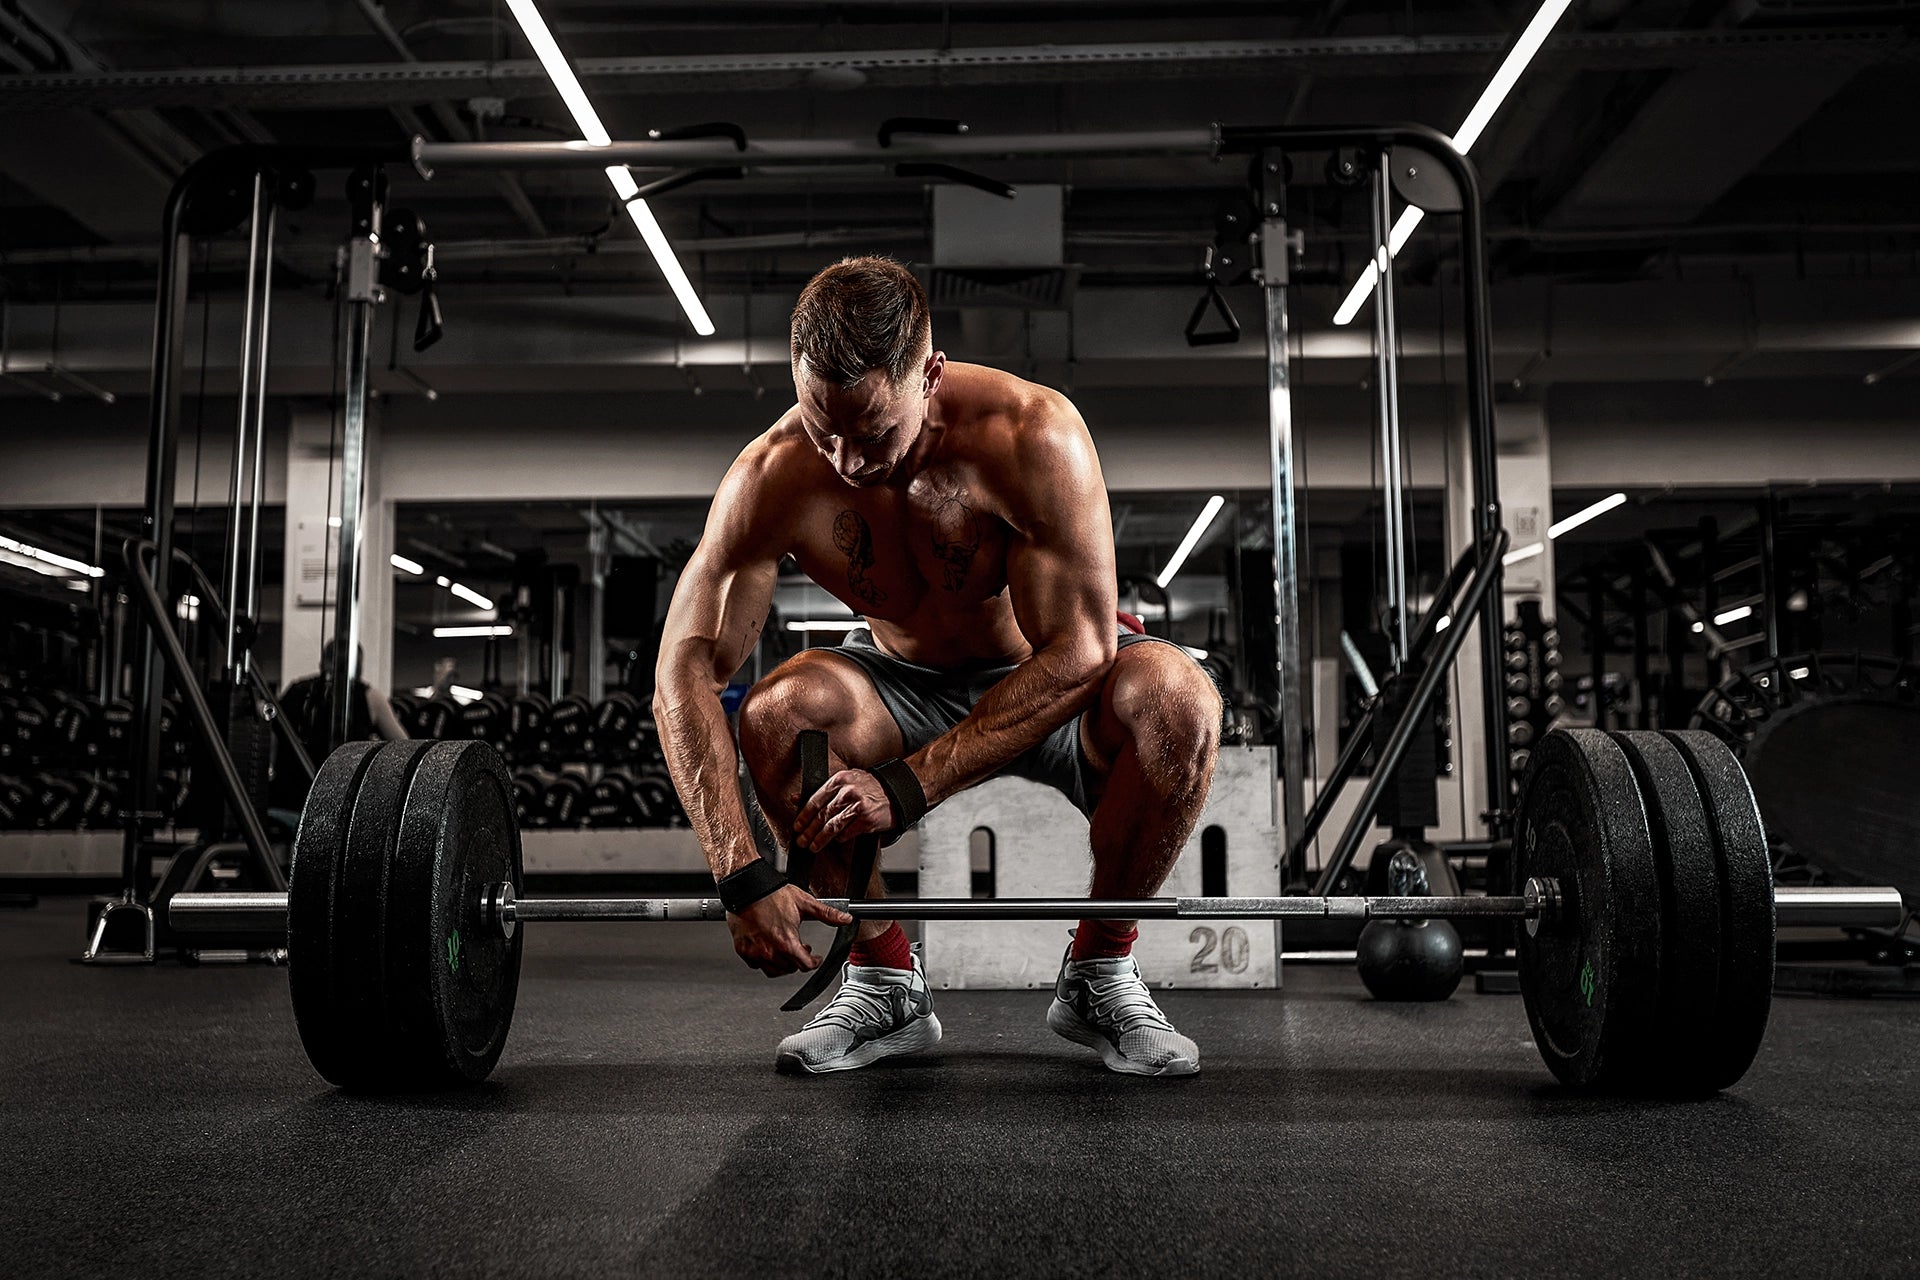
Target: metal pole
256 226
1794 905
362 296
1386 359
1769 572
170 309
1286 562
258 496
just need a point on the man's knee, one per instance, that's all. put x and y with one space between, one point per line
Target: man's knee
1169 708
807 691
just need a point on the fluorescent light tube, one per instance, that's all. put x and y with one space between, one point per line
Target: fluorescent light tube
1201 524
456 633
669 265
471 596
1585 514
407 566
559 71
1733 615
1527 552
27 551
623 184
1531 38
851 624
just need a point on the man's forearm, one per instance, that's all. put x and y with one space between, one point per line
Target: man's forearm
705 767
1015 716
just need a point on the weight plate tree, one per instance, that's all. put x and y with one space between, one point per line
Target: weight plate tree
1646 963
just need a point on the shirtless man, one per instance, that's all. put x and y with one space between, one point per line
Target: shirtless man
962 512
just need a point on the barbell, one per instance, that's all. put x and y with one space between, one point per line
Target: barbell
1646 956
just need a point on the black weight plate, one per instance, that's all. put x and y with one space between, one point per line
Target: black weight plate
1689 868
1746 906
362 991
451 977
319 850
1592 978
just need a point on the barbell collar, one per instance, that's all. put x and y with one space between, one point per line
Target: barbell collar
1845 906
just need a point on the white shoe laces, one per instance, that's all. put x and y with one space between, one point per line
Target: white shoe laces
1125 1002
855 1004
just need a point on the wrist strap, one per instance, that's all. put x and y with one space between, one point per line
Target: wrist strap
748 885
904 793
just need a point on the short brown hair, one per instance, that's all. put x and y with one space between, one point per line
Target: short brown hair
858 315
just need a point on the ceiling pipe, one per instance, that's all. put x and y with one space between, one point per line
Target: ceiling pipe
374 84
505 183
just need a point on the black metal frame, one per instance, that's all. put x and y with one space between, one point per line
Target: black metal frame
160 631
1483 602
1471 564
156 645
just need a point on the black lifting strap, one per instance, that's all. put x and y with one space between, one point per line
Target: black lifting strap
866 852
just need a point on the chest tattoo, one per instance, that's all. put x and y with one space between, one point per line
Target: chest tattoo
855 539
956 539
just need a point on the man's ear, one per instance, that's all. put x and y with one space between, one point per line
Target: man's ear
936 368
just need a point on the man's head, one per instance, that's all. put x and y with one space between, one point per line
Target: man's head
864 365
331 649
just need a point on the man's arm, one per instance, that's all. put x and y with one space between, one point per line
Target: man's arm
719 606
384 722
1060 577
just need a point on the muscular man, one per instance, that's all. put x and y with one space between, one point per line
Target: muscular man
962 513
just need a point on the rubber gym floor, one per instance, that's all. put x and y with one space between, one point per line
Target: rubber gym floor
163 1122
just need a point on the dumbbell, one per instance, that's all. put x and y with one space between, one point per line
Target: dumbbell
16 803
528 787
484 719
72 728
655 802
174 788
59 801
564 802
569 726
405 706
610 803
527 724
28 722
613 722
434 718
102 806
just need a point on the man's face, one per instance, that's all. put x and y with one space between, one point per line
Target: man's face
865 430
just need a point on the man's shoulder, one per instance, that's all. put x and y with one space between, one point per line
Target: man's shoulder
774 452
1013 416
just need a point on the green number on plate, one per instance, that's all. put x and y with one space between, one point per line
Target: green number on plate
1587 982
453 951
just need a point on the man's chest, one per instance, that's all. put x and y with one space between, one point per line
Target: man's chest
891 554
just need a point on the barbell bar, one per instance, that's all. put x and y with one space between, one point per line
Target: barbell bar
1794 906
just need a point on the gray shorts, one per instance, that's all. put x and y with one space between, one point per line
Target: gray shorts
926 702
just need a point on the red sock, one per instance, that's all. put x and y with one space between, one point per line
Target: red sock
890 950
1103 940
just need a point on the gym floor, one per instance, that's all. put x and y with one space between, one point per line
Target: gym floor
163 1122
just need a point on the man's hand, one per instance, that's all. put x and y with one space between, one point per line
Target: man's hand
767 933
852 803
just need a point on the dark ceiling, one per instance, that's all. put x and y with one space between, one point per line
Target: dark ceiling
1652 141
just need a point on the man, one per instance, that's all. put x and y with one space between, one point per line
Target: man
308 705
962 512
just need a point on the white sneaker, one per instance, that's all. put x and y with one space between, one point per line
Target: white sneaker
877 1013
1105 1005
